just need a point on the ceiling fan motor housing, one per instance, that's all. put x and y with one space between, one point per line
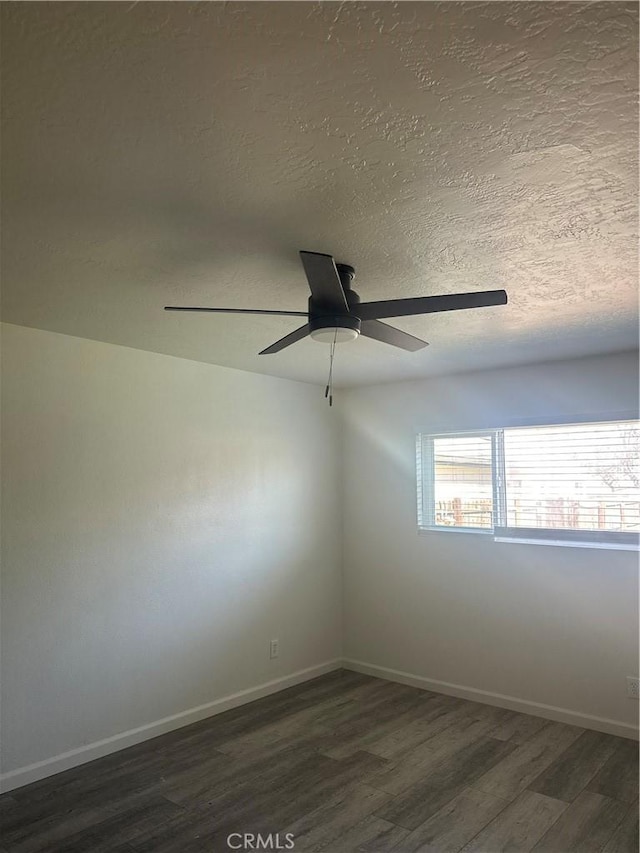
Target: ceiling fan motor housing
327 328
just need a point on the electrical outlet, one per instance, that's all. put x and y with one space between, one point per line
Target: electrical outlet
274 649
633 687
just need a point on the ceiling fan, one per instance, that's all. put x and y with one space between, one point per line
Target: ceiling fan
336 314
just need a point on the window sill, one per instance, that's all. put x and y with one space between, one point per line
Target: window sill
442 529
515 540
565 543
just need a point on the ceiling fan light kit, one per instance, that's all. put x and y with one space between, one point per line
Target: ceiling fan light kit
337 333
336 314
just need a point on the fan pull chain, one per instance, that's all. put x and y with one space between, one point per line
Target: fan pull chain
328 391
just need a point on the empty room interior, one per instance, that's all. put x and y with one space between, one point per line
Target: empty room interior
320 437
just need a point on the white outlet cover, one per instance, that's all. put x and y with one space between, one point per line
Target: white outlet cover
633 687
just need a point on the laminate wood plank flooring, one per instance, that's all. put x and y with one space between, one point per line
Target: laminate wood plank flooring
525 763
446 779
344 763
371 834
413 766
437 715
573 770
625 838
618 777
322 827
454 825
517 727
586 825
519 826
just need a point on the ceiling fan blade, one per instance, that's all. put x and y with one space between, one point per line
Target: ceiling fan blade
300 333
324 282
389 335
430 304
235 311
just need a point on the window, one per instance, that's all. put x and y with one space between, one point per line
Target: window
569 483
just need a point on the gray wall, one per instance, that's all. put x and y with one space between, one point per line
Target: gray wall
552 625
162 520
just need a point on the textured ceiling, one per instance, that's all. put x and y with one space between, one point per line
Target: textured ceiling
182 153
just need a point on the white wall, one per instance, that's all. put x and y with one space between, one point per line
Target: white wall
552 625
162 520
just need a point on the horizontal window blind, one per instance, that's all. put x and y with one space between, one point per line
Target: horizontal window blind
463 481
582 477
579 483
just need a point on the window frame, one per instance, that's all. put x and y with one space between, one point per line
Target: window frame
500 532
426 503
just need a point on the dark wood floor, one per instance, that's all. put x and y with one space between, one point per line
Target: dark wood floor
344 763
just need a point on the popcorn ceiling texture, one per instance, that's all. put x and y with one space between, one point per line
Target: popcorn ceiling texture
182 153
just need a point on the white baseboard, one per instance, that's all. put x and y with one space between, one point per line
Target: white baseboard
512 703
73 758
